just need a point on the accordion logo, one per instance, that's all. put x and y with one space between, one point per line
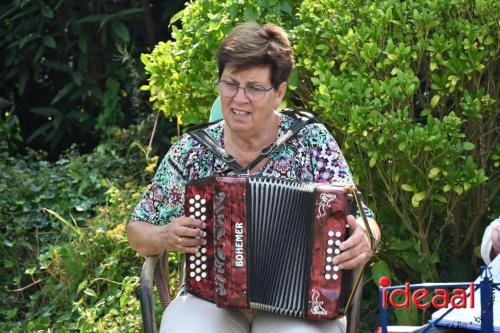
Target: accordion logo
316 304
325 201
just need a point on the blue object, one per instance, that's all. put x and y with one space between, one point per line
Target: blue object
216 111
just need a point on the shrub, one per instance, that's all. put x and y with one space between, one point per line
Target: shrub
410 91
66 262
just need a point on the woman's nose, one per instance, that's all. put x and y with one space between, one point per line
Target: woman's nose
241 96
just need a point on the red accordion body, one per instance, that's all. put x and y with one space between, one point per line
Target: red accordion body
270 243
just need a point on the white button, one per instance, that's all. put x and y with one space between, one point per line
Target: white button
197 214
203 258
328 276
191 201
198 270
203 218
197 197
203 209
198 278
191 216
203 266
192 266
203 201
347 226
192 274
203 275
197 205
335 276
329 259
330 242
198 262
328 267
337 251
335 268
338 234
330 233
198 254
203 250
337 242
191 209
329 250
192 258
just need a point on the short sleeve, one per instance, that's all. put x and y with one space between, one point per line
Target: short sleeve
164 198
486 244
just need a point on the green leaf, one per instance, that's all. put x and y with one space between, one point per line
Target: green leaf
47 12
130 11
176 17
94 18
23 79
77 78
435 100
433 173
379 269
90 292
7 263
447 188
468 146
82 285
49 41
407 188
121 30
372 162
45 111
63 92
417 197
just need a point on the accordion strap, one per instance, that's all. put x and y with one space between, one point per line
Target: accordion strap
301 119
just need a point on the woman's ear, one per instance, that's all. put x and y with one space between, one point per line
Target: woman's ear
280 93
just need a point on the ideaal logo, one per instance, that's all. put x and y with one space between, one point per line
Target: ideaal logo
441 298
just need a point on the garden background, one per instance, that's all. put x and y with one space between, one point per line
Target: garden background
92 93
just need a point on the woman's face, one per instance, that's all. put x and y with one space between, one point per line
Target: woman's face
242 114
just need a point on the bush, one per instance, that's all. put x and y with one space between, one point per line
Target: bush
409 89
66 262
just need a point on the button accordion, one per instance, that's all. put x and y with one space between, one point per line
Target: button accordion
270 244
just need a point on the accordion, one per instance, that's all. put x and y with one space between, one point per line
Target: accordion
270 244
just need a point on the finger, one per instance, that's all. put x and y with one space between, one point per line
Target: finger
191 242
351 253
191 250
357 237
190 232
191 223
356 261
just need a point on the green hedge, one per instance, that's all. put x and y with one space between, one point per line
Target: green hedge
409 89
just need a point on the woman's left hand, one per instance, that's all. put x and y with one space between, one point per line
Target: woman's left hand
356 250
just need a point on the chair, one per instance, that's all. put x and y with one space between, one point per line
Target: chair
155 271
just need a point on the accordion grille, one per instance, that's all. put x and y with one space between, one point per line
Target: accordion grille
279 234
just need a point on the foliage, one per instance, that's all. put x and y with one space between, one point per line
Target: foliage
410 89
66 261
182 72
70 67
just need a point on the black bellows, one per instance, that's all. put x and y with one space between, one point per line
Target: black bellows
280 229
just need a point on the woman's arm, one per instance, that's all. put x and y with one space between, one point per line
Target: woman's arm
181 234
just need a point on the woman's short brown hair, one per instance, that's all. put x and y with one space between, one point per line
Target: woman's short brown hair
251 44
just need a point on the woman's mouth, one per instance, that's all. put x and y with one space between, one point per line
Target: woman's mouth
240 113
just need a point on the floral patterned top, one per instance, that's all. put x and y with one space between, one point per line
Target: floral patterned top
312 155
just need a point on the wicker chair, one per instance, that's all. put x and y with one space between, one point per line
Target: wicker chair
155 271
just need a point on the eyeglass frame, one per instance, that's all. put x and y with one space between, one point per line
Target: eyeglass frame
228 83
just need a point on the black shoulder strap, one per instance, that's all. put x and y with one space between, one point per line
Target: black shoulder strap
301 119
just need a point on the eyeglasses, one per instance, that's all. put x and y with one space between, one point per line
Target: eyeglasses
252 92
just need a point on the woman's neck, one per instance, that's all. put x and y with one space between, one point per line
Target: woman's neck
252 143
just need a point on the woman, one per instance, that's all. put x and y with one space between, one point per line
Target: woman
254 64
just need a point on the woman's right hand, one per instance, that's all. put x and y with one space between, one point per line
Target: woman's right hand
183 234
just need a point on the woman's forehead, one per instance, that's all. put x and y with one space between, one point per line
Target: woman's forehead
260 74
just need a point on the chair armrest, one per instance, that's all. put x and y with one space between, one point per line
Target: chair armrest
146 294
154 271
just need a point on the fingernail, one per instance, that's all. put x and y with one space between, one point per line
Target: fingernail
204 234
204 242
